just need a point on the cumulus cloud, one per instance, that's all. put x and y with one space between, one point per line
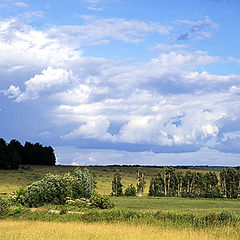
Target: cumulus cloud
49 78
95 128
22 47
165 101
12 92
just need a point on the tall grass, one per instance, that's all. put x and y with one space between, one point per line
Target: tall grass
156 218
25 230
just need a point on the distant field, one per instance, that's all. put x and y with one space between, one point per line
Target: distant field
25 230
10 180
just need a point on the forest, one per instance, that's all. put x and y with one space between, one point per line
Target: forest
13 154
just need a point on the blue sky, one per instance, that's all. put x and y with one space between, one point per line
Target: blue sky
123 82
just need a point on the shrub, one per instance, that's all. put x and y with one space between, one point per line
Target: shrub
56 188
4 205
102 202
96 201
214 193
83 185
130 190
19 195
51 189
80 203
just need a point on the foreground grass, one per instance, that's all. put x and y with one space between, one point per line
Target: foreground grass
24 230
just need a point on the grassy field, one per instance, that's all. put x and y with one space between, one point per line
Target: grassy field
199 206
25 230
21 226
10 180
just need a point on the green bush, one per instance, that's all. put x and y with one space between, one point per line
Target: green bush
102 202
19 195
80 203
96 201
83 184
130 190
55 189
214 193
51 189
4 206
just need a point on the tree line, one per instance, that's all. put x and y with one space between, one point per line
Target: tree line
130 190
13 154
170 182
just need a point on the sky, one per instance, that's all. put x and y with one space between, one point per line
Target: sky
104 82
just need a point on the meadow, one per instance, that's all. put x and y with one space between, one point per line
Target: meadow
11 180
134 217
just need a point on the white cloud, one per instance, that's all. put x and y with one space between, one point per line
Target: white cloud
96 29
164 101
30 49
12 92
21 4
98 5
95 129
170 48
49 78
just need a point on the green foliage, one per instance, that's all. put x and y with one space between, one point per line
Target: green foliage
4 206
140 181
56 188
230 182
214 193
84 185
9 157
102 202
116 184
156 218
36 154
51 189
96 201
130 190
172 183
19 195
80 203
14 154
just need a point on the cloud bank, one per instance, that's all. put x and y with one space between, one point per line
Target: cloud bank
167 101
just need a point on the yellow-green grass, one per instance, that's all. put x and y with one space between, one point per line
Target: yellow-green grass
198 206
25 230
11 180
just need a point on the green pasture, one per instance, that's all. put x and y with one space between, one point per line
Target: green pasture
199 206
11 180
